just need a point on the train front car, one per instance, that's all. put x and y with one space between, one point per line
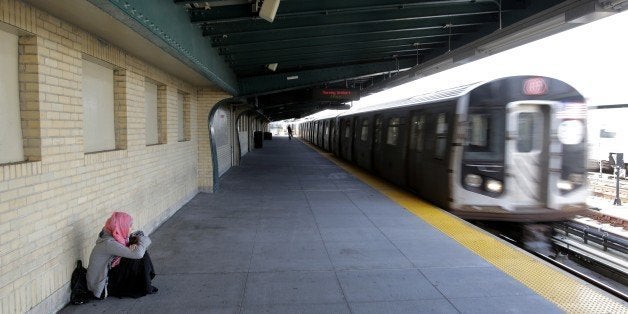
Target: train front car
521 153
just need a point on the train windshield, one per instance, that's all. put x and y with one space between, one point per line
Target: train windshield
485 136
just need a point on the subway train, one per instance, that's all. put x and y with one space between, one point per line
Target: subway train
512 149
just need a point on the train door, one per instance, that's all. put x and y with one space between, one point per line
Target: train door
378 153
316 132
415 149
394 148
354 137
326 141
334 137
434 184
527 149
346 138
362 143
321 131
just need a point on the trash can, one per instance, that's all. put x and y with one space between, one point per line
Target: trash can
257 139
268 136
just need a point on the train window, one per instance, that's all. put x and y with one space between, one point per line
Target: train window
485 136
479 132
378 130
348 129
441 136
528 132
364 133
416 133
392 136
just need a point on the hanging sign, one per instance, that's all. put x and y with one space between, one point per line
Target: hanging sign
335 94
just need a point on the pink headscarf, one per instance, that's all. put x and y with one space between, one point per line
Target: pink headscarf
118 226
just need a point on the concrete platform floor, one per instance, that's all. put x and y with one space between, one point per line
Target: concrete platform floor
290 232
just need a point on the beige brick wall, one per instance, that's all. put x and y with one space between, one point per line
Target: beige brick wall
53 205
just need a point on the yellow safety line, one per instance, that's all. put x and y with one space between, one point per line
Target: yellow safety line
567 292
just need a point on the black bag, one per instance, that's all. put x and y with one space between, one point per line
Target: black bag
78 285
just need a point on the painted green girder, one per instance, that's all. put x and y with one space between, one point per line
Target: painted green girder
336 20
280 81
336 60
307 43
264 58
331 49
307 8
173 33
315 32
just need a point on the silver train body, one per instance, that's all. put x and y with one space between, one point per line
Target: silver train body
512 149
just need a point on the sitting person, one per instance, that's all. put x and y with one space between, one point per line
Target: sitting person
120 266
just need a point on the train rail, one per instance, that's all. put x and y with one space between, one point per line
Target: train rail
590 279
593 255
601 250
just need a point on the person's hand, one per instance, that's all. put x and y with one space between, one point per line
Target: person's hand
132 247
138 233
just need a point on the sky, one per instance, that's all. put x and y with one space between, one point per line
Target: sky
592 58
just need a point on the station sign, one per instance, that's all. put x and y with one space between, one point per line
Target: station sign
335 94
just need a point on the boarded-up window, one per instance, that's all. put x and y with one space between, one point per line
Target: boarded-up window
152 119
11 148
98 111
181 117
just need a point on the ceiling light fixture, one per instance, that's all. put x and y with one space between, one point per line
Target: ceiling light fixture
269 10
272 66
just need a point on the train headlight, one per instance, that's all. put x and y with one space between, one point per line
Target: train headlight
473 180
564 185
494 186
571 132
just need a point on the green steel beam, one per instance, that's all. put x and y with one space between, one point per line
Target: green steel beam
304 55
308 43
330 60
168 26
300 9
337 20
331 49
282 81
351 29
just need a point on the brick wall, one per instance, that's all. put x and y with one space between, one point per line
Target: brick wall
53 205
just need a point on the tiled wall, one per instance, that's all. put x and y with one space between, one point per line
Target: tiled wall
53 205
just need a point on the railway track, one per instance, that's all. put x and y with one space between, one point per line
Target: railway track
597 257
603 254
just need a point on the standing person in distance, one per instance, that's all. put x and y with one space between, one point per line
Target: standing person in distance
289 132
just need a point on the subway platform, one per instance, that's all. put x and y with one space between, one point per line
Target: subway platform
291 231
